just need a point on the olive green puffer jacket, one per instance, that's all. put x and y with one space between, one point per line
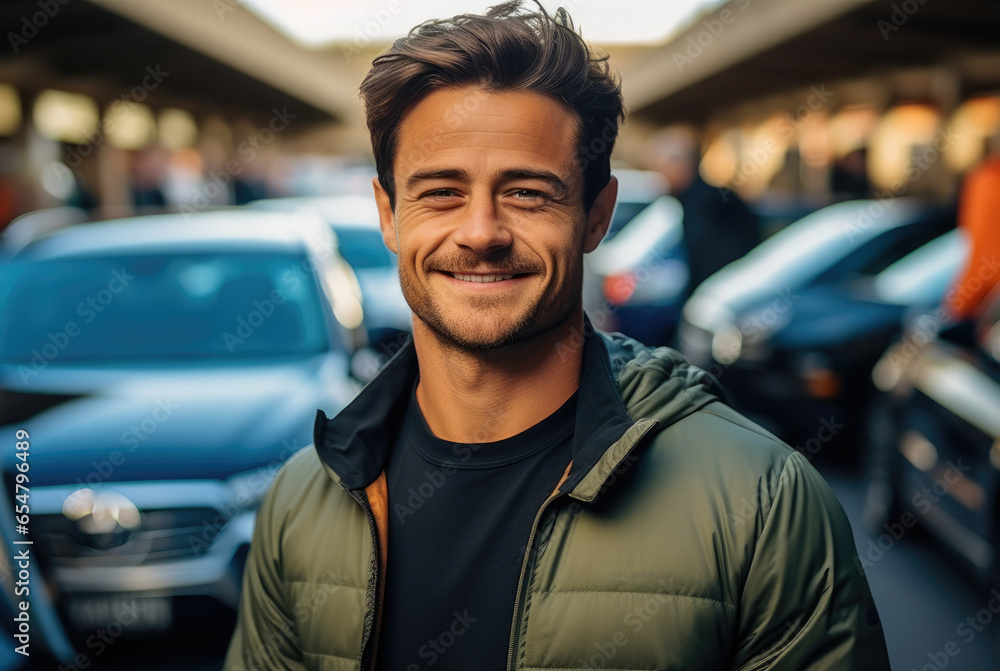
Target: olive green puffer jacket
683 537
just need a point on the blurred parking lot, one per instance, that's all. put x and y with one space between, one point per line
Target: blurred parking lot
191 265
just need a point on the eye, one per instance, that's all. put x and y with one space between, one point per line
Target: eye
440 193
530 197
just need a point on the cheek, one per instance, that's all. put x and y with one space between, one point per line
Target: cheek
418 237
563 257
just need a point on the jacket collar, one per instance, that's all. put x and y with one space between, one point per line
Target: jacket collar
355 444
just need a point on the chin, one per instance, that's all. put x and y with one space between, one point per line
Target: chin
484 332
480 333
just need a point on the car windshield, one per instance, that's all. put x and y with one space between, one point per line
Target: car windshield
160 306
923 276
363 248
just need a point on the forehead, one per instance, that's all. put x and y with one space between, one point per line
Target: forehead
492 130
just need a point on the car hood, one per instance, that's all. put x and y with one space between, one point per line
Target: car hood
822 316
789 261
98 425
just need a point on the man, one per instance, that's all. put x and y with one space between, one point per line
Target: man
719 228
513 490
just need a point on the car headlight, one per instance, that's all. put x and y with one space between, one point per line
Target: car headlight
727 345
703 317
758 328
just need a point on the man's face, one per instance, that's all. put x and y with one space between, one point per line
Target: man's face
489 222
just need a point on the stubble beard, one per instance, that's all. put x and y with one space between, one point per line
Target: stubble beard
489 324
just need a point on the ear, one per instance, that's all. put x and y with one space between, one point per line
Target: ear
599 217
386 218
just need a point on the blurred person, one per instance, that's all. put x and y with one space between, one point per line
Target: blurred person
85 175
249 181
719 228
147 170
514 489
248 189
10 193
979 216
849 175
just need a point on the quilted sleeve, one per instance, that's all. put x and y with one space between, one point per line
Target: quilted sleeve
265 636
806 603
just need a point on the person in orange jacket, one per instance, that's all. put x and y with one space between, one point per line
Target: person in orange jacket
979 216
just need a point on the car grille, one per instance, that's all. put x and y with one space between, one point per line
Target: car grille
170 534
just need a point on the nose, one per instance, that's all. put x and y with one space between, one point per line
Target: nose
482 229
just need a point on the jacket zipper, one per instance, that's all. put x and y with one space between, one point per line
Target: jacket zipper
515 633
367 655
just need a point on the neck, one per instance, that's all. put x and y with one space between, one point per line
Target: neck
485 396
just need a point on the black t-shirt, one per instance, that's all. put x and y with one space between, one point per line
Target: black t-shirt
459 520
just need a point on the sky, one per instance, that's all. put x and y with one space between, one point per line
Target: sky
320 23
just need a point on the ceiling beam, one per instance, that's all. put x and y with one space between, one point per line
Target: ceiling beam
750 27
228 33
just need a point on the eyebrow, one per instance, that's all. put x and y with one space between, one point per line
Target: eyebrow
428 175
550 178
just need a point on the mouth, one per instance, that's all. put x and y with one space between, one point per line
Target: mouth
480 279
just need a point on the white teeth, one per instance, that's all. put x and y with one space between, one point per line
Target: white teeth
481 278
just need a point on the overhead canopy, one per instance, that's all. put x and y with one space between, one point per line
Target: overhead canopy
219 57
769 47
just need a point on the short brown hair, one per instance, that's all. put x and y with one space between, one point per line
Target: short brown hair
507 48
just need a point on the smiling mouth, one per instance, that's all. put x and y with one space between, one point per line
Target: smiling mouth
481 279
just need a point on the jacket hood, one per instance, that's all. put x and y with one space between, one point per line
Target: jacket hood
627 390
658 383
